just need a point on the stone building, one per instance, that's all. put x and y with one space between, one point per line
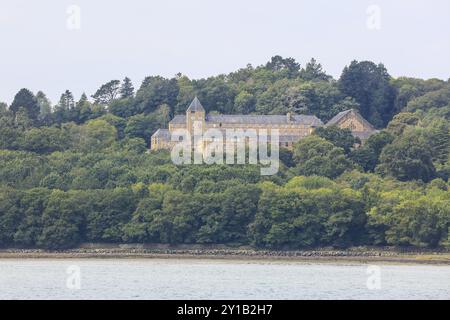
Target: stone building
291 127
353 120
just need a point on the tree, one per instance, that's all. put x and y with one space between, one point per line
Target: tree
408 157
369 84
408 89
142 126
127 89
3 108
32 205
410 217
287 65
84 111
313 72
230 223
45 140
342 138
45 108
433 99
156 91
368 155
10 215
25 99
63 218
310 98
67 101
438 132
216 94
401 121
23 120
124 108
107 92
111 210
97 135
364 157
379 140
244 103
316 156
297 218
186 93
65 109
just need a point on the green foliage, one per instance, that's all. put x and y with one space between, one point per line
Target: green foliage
313 72
305 218
341 138
80 171
156 91
107 92
434 99
369 84
413 219
126 89
367 156
408 157
25 99
401 121
316 156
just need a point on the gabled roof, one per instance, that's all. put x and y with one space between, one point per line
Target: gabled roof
264 119
179 119
195 106
162 133
337 118
308 120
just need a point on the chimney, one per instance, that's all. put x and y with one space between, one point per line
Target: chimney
289 117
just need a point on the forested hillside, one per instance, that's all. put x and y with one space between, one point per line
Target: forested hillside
79 171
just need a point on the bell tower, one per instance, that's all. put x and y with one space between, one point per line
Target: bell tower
195 117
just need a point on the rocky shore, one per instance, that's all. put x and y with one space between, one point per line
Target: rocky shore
360 254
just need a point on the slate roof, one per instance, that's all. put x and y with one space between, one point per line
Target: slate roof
312 121
179 119
265 119
290 138
195 106
338 117
162 133
341 115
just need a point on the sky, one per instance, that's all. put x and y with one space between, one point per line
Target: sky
80 44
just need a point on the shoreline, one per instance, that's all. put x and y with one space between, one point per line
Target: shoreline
355 255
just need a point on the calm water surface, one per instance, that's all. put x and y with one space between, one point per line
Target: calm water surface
212 279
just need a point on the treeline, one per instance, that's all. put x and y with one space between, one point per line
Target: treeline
357 209
79 171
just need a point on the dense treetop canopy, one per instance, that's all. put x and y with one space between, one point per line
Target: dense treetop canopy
80 170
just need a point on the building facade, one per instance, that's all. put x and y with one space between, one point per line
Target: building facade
291 127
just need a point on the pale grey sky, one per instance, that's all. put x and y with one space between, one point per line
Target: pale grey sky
202 38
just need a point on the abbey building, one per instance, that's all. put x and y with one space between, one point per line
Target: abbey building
291 127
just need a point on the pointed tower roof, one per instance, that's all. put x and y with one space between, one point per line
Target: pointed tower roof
195 106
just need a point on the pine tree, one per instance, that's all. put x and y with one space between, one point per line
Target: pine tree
439 141
45 107
67 101
25 99
127 89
